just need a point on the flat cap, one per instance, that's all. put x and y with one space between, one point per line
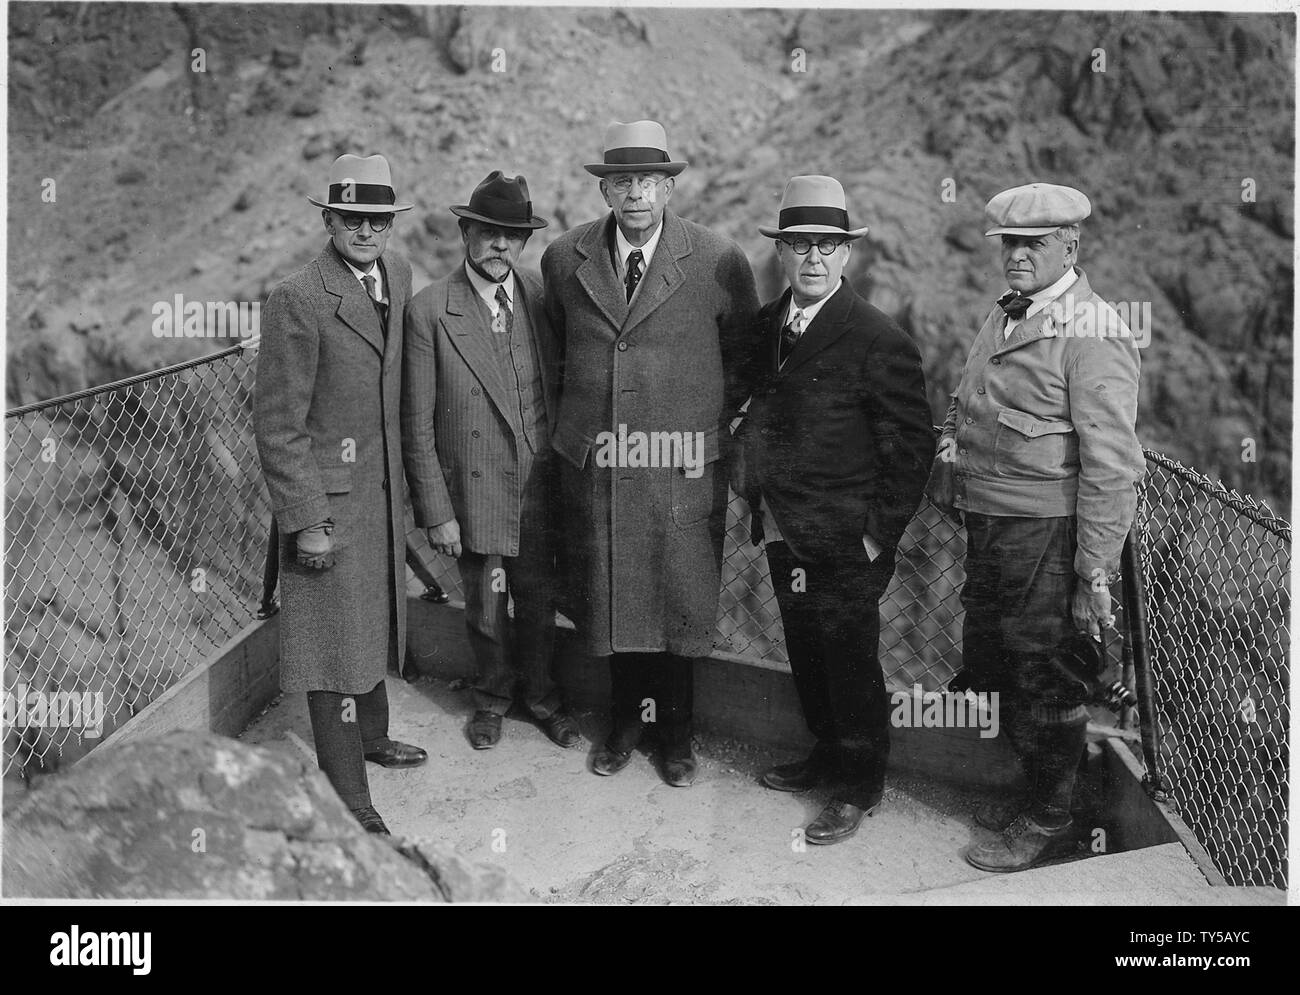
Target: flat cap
1035 209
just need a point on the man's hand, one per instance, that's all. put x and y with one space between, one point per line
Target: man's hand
941 490
313 546
1091 609
445 538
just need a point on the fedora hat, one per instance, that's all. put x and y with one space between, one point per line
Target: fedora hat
361 185
1035 209
502 201
813 205
639 147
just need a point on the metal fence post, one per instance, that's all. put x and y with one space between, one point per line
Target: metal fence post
1135 611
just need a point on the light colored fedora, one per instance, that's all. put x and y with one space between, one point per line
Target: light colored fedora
639 147
813 205
361 186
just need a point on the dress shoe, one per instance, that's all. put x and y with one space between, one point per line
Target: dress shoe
837 821
561 728
484 730
1022 845
370 821
799 776
395 754
608 761
680 771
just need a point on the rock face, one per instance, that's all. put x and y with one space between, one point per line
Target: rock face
199 816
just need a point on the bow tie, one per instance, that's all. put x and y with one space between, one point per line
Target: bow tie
1014 304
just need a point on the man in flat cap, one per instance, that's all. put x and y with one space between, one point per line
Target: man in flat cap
1039 455
325 414
653 312
837 446
478 402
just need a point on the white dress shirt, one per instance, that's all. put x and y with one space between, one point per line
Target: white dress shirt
623 248
487 290
377 272
1042 298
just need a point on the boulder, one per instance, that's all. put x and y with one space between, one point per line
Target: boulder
194 815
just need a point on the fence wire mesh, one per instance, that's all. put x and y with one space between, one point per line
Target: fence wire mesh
136 528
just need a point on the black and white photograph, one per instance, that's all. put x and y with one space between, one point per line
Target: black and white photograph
644 455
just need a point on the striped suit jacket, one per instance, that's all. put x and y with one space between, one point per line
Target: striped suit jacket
460 451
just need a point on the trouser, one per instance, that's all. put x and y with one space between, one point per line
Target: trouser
831 618
345 727
516 667
1019 584
652 690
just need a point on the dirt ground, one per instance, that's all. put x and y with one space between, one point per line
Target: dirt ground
570 836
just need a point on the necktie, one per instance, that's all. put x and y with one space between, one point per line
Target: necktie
505 319
381 308
1014 304
790 335
634 260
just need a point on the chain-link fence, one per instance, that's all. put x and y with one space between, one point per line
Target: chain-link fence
136 532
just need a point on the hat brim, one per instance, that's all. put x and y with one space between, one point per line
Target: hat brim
850 234
363 208
1022 231
463 211
604 169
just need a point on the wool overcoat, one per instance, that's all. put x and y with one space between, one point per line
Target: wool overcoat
643 544
326 417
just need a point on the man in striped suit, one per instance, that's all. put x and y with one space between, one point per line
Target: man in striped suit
478 401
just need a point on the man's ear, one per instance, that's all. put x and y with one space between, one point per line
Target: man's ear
325 216
669 185
604 192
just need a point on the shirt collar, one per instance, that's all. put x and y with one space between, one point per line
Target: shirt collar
376 271
1044 297
487 290
625 247
809 312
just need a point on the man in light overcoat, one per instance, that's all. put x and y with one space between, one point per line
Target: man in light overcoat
326 420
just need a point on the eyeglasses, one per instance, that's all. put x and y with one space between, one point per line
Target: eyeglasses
378 222
624 183
803 246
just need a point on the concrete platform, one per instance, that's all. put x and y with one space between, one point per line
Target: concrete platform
570 836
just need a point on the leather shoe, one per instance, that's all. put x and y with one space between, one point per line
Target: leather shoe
395 754
837 821
680 771
561 728
799 776
370 821
435 594
608 761
997 815
1022 845
484 730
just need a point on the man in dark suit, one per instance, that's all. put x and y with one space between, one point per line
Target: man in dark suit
652 311
325 416
837 443
477 409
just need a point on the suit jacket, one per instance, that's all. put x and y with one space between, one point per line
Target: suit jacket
645 558
462 456
840 439
326 412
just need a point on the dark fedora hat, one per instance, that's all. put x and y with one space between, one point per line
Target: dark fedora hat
502 201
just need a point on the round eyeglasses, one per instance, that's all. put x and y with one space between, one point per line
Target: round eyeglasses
624 183
803 246
378 222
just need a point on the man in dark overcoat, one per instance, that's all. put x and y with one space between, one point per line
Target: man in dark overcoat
326 418
837 445
478 402
652 312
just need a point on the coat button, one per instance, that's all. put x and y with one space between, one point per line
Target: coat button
982 391
474 433
475 473
970 421
622 347
475 391
965 452
995 361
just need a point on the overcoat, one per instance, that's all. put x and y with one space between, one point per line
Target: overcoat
643 544
462 453
326 416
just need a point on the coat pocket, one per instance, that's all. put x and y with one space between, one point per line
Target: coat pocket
693 493
1029 446
337 481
